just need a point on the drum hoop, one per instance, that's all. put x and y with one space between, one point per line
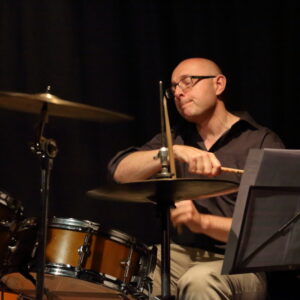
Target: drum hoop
74 224
9 202
123 238
98 278
61 270
118 236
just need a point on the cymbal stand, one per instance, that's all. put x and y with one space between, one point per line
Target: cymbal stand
162 196
164 205
46 150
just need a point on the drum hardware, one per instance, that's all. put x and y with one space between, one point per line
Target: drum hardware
10 208
127 264
83 251
46 150
142 280
11 211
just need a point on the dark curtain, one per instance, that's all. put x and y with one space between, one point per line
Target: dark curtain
112 54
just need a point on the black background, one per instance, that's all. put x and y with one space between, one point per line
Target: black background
112 54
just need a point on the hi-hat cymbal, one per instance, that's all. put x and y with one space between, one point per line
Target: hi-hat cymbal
156 190
32 103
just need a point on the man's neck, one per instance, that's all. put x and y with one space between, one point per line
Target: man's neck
216 124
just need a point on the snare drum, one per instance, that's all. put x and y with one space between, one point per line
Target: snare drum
111 259
83 261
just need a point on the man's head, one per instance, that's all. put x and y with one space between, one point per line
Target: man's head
197 84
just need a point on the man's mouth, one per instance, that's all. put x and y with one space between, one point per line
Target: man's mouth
185 104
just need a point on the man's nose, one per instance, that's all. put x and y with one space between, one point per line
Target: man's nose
178 91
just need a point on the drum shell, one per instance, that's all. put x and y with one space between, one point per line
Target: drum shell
105 256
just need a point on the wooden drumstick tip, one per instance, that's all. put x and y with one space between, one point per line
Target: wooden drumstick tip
232 170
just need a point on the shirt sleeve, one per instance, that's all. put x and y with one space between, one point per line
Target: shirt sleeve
154 143
272 140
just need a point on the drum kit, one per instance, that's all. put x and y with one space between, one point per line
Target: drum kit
67 258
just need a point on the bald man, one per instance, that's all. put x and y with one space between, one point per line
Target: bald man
208 138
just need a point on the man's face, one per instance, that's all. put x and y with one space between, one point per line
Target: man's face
197 101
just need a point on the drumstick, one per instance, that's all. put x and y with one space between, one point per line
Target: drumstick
231 170
170 149
169 140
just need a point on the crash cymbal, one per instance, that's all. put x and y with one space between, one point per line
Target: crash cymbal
156 190
32 103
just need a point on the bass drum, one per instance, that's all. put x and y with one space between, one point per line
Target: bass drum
86 263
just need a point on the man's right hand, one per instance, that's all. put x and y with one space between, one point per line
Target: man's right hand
199 161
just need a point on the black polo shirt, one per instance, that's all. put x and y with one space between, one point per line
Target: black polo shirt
231 149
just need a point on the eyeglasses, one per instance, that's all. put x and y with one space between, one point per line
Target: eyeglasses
185 83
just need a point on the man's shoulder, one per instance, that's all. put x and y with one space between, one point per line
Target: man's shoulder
246 117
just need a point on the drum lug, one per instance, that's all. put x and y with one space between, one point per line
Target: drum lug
126 264
152 260
83 251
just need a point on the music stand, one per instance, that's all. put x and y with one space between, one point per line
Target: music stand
265 233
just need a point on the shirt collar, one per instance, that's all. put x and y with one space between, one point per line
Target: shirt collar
245 117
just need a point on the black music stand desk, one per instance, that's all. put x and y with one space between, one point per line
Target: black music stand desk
265 233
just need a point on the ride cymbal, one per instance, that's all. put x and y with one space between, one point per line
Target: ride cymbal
157 190
33 103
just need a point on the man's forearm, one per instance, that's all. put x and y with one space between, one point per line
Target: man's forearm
137 166
216 227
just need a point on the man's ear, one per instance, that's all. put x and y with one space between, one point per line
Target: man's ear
220 83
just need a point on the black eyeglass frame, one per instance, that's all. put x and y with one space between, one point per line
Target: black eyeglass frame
170 91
